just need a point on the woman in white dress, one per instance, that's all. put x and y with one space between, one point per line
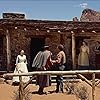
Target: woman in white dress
83 58
21 67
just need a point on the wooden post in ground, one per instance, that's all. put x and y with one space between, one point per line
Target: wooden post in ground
93 86
21 90
73 50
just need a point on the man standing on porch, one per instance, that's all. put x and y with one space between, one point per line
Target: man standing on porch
42 62
60 65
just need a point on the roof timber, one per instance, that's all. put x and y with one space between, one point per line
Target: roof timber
50 25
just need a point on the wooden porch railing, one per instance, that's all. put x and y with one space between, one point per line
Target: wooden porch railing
79 73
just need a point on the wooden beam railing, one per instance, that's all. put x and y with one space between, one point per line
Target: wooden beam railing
75 72
79 73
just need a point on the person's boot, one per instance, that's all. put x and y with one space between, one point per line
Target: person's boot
61 87
40 91
62 90
57 88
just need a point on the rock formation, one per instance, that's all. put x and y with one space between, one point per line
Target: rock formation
89 15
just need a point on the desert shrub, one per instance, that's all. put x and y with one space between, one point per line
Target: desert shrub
69 87
79 90
27 95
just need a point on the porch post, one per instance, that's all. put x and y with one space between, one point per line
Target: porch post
73 51
8 49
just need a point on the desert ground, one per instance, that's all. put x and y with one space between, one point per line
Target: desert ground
7 92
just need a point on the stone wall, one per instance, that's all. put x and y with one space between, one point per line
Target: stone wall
22 31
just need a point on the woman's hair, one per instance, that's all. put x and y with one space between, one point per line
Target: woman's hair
60 47
21 51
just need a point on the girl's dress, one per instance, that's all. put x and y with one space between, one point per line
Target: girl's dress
21 67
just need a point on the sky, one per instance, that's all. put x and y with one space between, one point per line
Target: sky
48 9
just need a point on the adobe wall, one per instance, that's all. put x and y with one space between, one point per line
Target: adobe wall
21 32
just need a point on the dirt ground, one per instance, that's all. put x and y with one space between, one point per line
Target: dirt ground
7 93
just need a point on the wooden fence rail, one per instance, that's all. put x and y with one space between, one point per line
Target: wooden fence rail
74 72
79 73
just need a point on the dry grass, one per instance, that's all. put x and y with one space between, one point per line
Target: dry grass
27 94
77 89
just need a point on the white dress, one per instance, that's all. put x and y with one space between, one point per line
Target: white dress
21 67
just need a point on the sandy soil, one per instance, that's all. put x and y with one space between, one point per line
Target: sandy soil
6 93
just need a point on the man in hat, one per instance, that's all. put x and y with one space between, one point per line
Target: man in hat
42 62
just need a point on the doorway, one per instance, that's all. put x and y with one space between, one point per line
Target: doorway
35 47
78 43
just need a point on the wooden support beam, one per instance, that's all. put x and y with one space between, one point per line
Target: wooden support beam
93 86
21 90
84 79
8 50
73 51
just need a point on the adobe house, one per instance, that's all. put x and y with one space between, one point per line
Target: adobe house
17 33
